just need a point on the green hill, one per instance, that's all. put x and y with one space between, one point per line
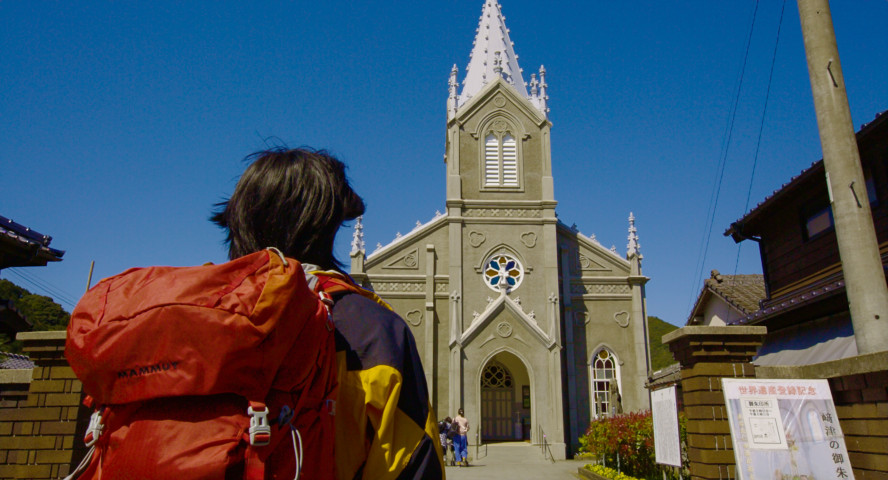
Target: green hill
41 311
660 355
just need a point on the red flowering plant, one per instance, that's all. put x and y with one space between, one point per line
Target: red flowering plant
624 442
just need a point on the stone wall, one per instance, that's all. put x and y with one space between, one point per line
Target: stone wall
42 419
859 388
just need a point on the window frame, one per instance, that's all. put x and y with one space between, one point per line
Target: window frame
594 391
501 130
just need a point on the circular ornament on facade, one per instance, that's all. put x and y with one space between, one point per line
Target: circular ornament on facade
622 318
414 317
503 271
476 238
499 101
504 329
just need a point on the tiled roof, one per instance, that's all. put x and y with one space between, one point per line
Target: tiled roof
670 375
832 285
741 291
16 239
14 361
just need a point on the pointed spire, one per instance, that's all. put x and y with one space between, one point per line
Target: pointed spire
452 99
543 97
633 246
493 54
358 236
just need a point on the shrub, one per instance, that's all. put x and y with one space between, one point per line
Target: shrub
608 472
626 440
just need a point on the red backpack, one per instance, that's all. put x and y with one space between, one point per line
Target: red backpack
209 372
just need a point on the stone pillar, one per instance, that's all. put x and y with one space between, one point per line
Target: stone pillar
42 436
430 353
706 355
855 234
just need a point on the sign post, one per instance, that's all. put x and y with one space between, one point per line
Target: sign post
667 440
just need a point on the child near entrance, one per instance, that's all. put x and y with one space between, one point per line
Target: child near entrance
460 441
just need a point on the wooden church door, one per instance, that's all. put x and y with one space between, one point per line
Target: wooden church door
497 399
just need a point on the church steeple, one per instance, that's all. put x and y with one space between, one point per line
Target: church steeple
493 55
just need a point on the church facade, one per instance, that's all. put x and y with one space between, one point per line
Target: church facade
529 325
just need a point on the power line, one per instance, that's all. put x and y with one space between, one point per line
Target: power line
726 142
758 142
762 124
44 286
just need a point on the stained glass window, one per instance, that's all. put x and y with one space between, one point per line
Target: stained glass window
604 382
503 272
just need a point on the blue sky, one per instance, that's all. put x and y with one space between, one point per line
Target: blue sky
122 123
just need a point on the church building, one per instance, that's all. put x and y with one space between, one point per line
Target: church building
530 326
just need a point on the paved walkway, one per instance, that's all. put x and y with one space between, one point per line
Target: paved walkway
513 461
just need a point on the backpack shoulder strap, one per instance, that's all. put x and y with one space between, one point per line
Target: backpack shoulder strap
334 282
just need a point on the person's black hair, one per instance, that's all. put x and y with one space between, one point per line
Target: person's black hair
291 199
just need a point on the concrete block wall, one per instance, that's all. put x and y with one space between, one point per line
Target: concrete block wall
14 386
859 388
706 355
42 422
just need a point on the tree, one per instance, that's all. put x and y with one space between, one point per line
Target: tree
661 357
40 310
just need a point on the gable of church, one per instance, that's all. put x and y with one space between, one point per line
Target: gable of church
501 149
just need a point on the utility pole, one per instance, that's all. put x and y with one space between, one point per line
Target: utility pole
856 236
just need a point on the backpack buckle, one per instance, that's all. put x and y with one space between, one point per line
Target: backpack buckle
94 431
327 300
260 430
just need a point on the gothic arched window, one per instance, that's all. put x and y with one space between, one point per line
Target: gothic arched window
500 157
496 376
605 384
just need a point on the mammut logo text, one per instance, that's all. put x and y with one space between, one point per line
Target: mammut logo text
140 371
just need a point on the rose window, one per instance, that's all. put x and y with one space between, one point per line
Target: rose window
503 272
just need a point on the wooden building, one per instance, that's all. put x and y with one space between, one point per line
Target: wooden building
805 307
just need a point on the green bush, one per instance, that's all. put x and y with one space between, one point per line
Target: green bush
627 441
608 472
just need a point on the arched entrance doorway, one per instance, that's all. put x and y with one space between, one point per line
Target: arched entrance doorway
505 399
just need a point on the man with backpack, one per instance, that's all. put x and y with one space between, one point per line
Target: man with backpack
245 350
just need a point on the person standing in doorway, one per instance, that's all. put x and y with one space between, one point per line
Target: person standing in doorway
461 442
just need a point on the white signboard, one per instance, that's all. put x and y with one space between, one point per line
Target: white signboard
785 429
667 442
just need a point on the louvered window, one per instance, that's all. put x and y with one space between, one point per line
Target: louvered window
491 162
500 160
510 162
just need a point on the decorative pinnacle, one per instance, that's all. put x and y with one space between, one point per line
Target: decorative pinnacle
453 98
543 96
358 236
633 247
